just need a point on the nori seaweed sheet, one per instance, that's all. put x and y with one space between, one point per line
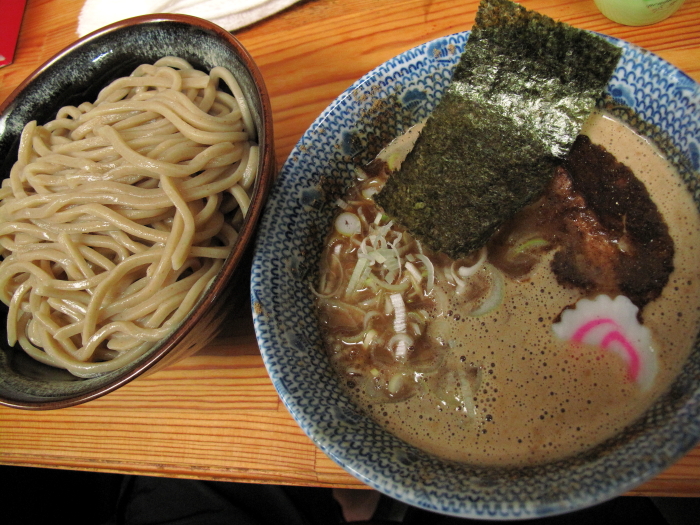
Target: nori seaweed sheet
521 92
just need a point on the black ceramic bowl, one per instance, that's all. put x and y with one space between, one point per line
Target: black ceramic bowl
76 75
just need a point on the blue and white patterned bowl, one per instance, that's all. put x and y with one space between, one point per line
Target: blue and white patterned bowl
352 130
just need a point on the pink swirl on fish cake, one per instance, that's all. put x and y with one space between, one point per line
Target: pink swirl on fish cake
612 324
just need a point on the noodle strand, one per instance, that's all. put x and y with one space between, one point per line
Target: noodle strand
118 214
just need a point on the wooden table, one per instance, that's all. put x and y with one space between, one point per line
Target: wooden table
216 415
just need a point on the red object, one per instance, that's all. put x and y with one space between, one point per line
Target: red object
10 22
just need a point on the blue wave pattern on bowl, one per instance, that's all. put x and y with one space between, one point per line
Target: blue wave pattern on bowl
663 96
350 132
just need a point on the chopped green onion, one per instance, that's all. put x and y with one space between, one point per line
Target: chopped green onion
367 193
532 244
369 337
495 297
360 173
400 344
399 313
401 286
467 394
348 224
468 271
355 277
430 269
395 383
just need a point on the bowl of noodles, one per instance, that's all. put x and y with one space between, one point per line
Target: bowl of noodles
503 421
135 166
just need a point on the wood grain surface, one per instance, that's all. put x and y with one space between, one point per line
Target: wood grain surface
216 415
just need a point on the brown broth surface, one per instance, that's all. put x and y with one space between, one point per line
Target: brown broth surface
540 399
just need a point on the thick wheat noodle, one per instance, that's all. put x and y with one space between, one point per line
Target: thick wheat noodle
118 214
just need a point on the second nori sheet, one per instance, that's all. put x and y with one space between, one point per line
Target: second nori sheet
523 88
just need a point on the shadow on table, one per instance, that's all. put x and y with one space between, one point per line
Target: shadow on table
32 495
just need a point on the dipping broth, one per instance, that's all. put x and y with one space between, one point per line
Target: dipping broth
466 365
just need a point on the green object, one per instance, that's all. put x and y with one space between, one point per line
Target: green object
523 88
638 12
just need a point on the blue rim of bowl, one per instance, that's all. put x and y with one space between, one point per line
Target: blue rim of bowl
289 346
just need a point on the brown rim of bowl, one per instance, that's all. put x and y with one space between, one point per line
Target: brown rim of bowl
246 234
